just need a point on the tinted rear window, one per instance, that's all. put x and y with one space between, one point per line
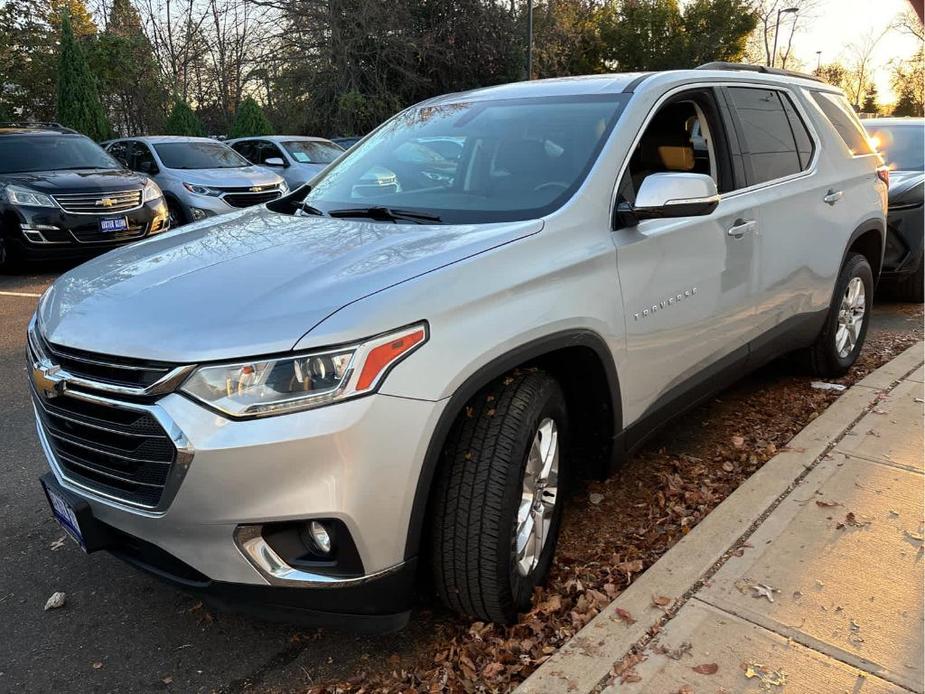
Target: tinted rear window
902 146
846 123
768 134
52 153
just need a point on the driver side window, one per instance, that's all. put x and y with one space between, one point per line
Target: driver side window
682 137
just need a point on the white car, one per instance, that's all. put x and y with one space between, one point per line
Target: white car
295 157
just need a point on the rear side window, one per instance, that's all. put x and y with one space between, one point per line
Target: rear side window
846 123
774 138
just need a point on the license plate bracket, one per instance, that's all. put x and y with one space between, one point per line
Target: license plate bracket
75 516
113 224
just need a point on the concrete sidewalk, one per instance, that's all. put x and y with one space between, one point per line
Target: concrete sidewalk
809 578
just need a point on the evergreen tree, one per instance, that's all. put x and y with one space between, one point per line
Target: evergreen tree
870 104
250 121
130 83
183 121
79 104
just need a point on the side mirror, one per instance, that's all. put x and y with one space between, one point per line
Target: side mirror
668 195
274 161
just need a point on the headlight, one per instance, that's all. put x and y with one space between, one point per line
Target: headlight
29 198
151 191
283 187
202 190
263 387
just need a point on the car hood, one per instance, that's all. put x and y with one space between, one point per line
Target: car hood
79 181
905 186
247 283
229 178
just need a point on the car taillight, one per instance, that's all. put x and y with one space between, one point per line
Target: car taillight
883 173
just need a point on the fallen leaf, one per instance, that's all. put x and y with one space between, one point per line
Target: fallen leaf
595 498
97 665
728 467
661 600
738 441
624 616
167 680
827 504
59 543
56 601
706 669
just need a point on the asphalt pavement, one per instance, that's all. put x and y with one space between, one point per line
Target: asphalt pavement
121 630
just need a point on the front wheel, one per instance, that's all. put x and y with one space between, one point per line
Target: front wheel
842 337
175 214
498 498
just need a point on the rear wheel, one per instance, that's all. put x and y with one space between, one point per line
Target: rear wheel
498 498
842 337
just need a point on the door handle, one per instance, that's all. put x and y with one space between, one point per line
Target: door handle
832 196
741 227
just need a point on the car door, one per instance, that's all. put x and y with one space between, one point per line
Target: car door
779 153
687 283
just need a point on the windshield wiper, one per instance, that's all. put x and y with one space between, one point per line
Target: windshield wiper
309 209
389 214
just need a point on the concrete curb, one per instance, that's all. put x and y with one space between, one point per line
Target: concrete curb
583 663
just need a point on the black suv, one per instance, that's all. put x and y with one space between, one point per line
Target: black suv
62 196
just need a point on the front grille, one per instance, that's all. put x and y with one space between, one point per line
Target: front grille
119 371
249 199
96 236
119 452
99 203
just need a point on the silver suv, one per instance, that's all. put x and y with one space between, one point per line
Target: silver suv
200 177
298 407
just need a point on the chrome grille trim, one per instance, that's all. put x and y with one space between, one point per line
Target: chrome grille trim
92 203
180 466
41 352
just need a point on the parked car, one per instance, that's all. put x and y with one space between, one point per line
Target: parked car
62 196
345 142
200 177
306 404
902 143
296 158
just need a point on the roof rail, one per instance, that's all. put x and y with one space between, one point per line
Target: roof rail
720 65
38 125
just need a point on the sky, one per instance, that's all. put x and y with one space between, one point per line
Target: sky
835 24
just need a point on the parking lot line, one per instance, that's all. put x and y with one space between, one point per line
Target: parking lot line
23 294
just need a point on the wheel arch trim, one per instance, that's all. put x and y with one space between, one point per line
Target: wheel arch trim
485 374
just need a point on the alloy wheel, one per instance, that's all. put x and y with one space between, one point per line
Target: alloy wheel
538 497
851 315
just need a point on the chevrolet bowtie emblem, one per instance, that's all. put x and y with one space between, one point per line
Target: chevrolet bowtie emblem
48 380
256 189
105 202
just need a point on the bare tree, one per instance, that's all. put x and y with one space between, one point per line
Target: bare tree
860 65
762 42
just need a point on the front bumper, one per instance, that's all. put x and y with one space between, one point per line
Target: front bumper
357 462
45 232
905 239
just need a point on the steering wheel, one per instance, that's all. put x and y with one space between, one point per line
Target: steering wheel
551 184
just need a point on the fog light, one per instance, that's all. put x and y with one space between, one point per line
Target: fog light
321 537
196 213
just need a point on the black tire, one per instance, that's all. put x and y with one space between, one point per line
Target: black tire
176 213
478 492
824 357
911 287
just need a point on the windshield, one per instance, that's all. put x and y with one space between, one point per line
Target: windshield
199 155
476 162
312 152
52 152
902 146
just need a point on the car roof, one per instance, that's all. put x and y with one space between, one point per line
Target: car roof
628 82
157 139
894 121
17 130
280 138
